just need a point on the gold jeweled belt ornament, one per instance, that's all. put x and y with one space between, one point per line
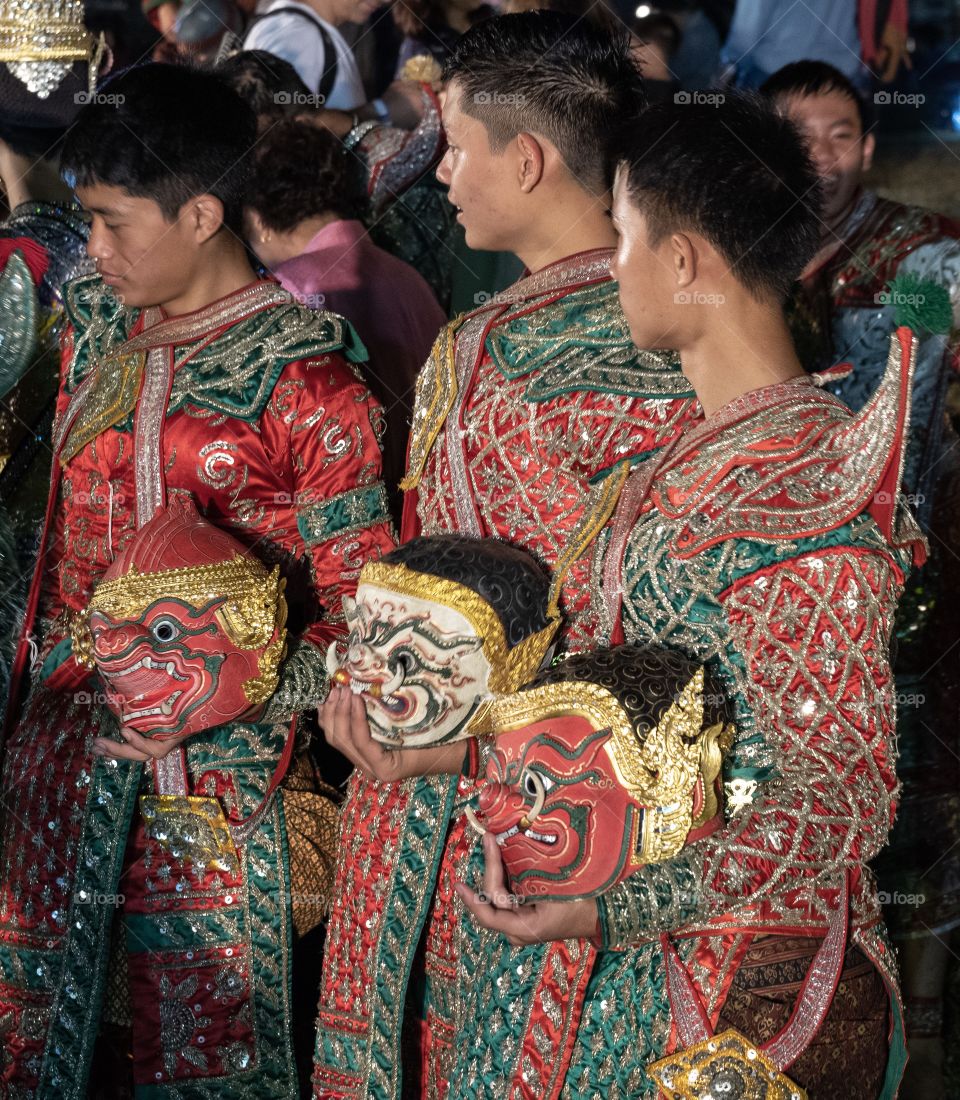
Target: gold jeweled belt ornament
729 1066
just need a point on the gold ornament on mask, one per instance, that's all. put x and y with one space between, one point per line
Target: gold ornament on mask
254 609
40 40
659 768
727 1064
510 667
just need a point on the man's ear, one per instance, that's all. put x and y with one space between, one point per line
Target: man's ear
684 258
868 148
530 166
204 216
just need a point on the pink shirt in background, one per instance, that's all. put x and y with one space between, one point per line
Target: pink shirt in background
389 304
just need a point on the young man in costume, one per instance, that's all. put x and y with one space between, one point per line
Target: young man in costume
528 416
184 378
873 256
771 543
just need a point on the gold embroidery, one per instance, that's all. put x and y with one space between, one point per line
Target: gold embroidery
112 397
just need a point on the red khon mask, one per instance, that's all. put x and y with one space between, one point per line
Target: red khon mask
187 627
604 763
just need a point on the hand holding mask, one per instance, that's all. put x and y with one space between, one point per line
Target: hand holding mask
604 763
187 627
438 627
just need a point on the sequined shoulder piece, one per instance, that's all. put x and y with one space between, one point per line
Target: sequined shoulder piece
235 374
577 342
99 320
436 391
19 309
790 461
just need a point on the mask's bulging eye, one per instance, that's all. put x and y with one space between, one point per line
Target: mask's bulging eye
535 783
165 630
406 662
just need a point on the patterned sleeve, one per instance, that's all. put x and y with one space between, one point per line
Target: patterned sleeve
395 159
331 429
809 645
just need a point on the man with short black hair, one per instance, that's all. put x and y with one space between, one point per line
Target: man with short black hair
183 376
767 543
528 415
876 258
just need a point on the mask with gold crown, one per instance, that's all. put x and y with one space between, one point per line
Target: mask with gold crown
437 628
604 763
187 627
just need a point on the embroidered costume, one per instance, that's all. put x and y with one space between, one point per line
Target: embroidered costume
41 246
251 407
408 214
759 545
844 311
528 416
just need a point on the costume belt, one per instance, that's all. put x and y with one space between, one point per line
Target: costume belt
729 1065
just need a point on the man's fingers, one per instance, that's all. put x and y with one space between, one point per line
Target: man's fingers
494 879
103 747
518 927
155 749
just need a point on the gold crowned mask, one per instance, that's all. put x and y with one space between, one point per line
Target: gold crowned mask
510 668
254 608
658 768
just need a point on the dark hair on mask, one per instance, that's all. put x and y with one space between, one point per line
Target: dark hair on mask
805 78
734 171
166 133
549 73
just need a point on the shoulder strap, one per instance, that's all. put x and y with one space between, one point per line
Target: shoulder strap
330 57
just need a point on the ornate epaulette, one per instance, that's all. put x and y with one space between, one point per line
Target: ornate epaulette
581 341
236 373
794 467
99 322
435 393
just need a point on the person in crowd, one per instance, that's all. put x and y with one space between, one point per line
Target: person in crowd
430 29
771 544
406 209
305 33
528 414
864 39
42 244
655 39
188 381
875 257
302 223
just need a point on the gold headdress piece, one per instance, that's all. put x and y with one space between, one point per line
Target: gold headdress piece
41 39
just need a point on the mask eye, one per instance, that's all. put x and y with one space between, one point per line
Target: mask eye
406 661
165 630
534 783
